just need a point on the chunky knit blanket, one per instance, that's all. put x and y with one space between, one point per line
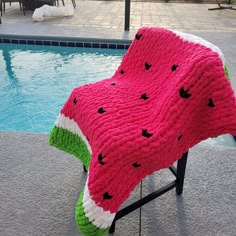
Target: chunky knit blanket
170 92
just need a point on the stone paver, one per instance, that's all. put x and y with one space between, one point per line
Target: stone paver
106 19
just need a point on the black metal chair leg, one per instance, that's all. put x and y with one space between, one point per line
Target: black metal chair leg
74 4
181 167
112 228
85 170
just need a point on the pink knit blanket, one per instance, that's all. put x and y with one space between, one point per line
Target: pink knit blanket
170 92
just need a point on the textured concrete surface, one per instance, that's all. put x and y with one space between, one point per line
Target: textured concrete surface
40 185
39 189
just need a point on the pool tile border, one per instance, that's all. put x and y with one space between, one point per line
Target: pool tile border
82 43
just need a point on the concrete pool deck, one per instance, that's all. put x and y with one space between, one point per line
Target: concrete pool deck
40 185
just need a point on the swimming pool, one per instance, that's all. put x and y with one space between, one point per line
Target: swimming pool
35 81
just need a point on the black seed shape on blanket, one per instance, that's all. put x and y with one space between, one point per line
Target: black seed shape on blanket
138 36
144 96
136 165
122 72
87 138
174 67
180 137
75 101
106 195
113 84
101 110
100 158
184 93
147 66
146 134
210 103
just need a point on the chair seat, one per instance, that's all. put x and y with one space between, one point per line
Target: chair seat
170 92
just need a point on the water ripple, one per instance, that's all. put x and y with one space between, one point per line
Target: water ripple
35 81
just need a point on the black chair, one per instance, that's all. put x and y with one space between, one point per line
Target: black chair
119 137
222 7
54 3
178 184
63 3
3 5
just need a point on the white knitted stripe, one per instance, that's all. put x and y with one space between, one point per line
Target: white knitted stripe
70 125
96 214
196 39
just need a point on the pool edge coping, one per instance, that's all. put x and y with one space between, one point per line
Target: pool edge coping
66 41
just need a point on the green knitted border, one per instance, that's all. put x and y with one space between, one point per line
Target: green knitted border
85 226
70 143
227 72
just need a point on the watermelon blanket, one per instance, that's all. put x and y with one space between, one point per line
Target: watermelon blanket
170 92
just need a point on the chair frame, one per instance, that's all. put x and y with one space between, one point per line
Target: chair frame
63 3
178 183
220 7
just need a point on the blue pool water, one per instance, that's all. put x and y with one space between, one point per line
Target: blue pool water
35 81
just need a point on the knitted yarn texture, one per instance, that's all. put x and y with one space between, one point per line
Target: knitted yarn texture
170 92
